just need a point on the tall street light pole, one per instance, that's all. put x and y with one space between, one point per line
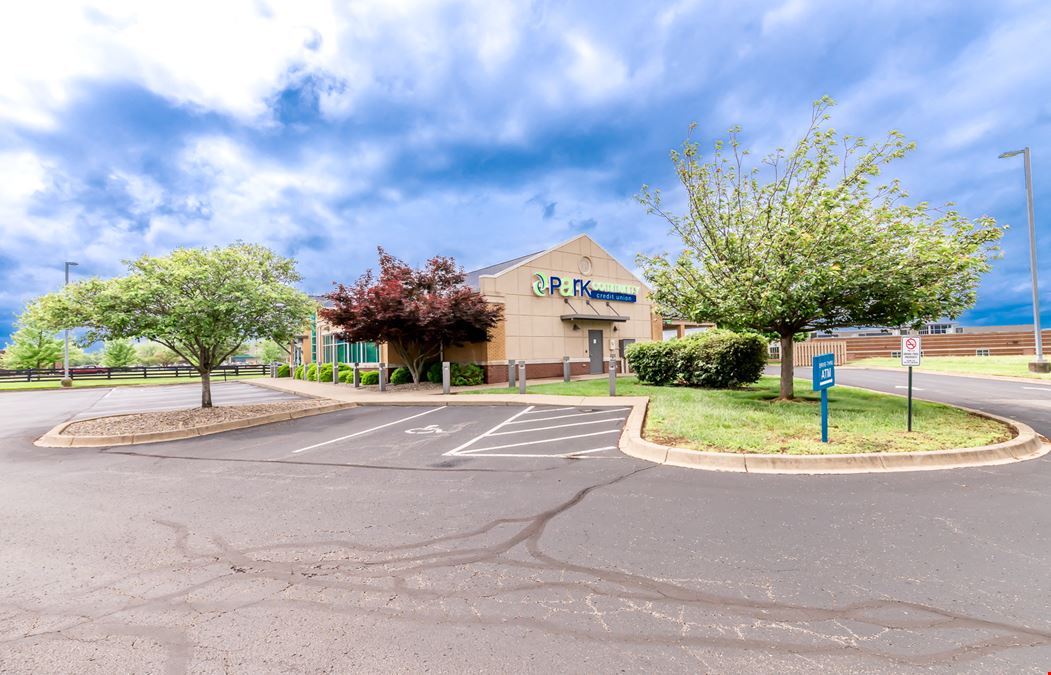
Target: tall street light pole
65 351
1040 365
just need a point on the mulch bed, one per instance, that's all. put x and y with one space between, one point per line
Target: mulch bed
171 420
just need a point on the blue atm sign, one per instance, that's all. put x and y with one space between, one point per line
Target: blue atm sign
824 372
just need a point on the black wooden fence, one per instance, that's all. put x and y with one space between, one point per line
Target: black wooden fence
136 372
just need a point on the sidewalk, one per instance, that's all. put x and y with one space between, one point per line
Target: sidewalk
372 396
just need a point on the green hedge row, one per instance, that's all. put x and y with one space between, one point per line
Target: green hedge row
460 374
714 359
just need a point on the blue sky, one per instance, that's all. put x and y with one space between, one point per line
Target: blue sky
480 130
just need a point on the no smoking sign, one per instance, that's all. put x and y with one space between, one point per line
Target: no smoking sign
910 351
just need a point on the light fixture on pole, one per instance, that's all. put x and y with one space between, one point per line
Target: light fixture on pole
65 351
1040 365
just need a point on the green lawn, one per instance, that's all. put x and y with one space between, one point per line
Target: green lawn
140 381
1013 366
752 420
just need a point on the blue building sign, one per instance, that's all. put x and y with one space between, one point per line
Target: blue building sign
823 378
824 372
544 284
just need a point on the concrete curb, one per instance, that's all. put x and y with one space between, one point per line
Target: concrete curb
1026 444
55 439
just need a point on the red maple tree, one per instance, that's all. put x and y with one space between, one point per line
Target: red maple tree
417 312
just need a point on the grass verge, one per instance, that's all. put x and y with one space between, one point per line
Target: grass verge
1004 366
751 420
124 382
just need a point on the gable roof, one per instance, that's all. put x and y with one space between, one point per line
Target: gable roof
474 278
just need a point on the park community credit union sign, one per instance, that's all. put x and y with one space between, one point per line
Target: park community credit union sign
544 284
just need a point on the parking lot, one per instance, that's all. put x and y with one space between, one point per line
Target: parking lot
497 538
422 436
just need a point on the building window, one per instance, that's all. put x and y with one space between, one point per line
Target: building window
774 350
982 352
936 329
895 354
670 334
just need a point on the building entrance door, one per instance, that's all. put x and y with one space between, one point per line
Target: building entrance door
595 350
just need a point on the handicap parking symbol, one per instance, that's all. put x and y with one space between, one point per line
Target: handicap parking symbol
429 429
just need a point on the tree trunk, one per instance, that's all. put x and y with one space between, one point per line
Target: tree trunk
788 369
206 389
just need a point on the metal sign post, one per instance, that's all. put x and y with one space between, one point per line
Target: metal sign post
824 376
911 353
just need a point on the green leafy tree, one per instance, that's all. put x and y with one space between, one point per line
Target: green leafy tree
33 345
153 354
810 241
202 303
270 351
119 353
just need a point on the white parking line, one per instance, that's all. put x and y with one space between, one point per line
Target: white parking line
365 431
546 440
902 386
562 417
457 450
560 426
547 410
1037 389
570 455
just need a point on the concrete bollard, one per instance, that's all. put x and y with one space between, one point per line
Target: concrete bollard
446 377
565 369
511 374
612 376
335 372
357 376
521 377
383 377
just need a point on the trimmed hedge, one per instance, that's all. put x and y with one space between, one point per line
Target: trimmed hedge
464 374
714 359
312 372
283 370
460 374
299 372
326 372
370 377
401 376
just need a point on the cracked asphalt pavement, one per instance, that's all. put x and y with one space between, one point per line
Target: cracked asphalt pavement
481 539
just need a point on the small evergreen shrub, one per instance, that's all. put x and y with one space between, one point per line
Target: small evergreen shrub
401 376
346 376
654 362
326 372
464 374
715 359
370 377
299 372
312 372
434 373
283 370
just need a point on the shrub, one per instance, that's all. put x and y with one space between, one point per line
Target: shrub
434 373
283 370
720 359
326 372
654 362
401 376
311 372
464 374
370 377
346 376
299 372
716 359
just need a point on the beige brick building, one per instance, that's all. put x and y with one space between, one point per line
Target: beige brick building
572 300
